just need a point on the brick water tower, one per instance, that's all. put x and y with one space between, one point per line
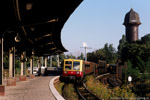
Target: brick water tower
131 22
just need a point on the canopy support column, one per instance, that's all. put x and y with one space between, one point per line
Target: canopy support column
39 66
23 68
1 61
50 61
31 65
58 63
12 62
46 61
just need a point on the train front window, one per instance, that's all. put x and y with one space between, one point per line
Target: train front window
76 65
68 65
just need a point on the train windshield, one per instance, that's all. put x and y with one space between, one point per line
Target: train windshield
76 65
68 65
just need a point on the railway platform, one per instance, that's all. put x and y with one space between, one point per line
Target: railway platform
31 89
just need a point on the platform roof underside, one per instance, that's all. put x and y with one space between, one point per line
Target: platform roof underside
37 22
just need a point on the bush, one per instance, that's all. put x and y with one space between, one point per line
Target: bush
59 86
97 88
122 93
102 91
69 91
140 77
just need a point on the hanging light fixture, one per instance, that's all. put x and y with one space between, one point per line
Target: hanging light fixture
17 38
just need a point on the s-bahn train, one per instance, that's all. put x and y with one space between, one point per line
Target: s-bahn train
77 69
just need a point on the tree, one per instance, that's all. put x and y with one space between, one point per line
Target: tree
146 39
121 45
6 60
110 53
81 56
61 57
107 53
138 53
133 51
70 56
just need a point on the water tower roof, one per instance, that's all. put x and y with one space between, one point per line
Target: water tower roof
132 17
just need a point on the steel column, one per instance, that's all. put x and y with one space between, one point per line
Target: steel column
31 65
39 63
50 61
1 61
23 69
58 63
39 66
12 62
45 61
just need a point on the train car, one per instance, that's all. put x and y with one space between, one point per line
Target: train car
72 69
89 67
102 67
77 69
112 68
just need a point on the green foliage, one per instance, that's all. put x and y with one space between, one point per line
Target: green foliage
17 63
146 39
107 53
139 56
70 92
6 60
103 92
59 86
18 72
81 57
70 56
98 88
133 71
134 51
140 77
54 63
61 57
122 43
122 93
35 61
147 66
110 53
54 60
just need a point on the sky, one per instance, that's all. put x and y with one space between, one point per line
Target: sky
97 22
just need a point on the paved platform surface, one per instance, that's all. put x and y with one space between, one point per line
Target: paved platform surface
32 89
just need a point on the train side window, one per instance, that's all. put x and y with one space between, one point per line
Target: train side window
87 66
68 65
76 65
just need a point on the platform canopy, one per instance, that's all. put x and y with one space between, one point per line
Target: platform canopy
38 23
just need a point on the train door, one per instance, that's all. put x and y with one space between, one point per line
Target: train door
94 68
83 69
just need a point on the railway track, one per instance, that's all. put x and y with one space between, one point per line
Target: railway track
63 90
105 78
108 79
84 93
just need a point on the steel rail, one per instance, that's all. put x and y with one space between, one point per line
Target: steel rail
108 79
63 91
84 93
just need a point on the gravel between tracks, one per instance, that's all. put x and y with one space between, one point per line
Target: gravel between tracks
32 89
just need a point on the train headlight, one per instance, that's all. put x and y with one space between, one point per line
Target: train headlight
78 72
65 72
